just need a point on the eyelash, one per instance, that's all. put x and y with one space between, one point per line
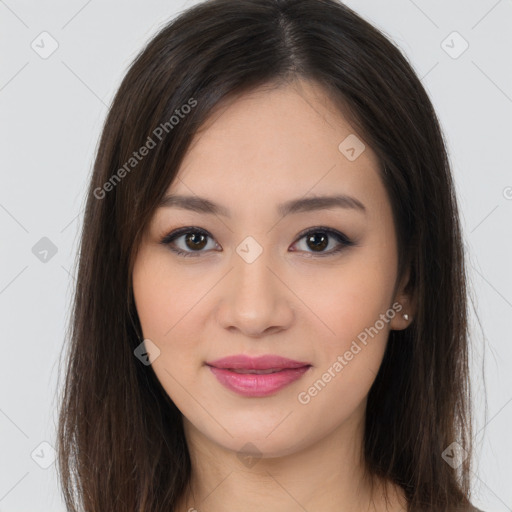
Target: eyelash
343 240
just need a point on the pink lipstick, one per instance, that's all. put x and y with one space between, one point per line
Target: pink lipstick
257 376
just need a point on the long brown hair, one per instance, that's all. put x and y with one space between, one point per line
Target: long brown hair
121 445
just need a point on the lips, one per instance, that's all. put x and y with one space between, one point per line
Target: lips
257 376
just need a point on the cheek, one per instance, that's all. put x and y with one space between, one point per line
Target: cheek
358 294
151 297
358 311
348 361
165 298
163 294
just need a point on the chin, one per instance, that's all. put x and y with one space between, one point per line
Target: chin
257 439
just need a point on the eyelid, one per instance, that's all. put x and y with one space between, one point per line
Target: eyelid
340 237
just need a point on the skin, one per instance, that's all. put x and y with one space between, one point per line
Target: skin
262 149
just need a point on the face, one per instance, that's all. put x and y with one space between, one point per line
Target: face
311 283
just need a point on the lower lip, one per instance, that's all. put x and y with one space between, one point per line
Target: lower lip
257 385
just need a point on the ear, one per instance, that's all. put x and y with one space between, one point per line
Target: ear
407 300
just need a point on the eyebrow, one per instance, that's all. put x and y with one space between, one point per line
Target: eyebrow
203 205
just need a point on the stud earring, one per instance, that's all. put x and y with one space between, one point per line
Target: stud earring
406 316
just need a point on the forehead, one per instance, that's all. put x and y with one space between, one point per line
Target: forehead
289 140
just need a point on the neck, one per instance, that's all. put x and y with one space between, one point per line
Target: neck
327 475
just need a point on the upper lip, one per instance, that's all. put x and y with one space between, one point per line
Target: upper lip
265 362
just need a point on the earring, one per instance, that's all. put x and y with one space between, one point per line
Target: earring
406 316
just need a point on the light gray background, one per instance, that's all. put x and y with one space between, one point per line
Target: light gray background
52 114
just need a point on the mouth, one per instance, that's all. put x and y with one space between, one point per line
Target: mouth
257 377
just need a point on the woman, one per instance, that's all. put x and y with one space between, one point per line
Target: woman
270 311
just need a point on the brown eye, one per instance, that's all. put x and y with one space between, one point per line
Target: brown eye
318 239
195 240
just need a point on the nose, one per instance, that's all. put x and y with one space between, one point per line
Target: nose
254 300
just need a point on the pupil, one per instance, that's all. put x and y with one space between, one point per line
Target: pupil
191 237
323 243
